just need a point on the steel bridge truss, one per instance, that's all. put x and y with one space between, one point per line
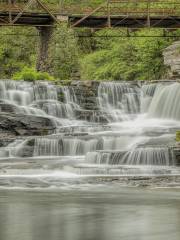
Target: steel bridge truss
25 12
131 14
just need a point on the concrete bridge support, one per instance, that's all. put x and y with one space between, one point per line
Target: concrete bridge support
45 34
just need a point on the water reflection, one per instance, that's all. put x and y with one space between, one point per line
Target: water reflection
82 215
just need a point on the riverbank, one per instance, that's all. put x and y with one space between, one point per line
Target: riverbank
148 182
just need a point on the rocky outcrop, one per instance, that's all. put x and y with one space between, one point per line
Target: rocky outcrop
92 116
13 125
86 93
176 150
8 108
172 60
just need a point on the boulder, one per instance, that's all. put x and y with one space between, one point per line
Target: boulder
25 125
172 60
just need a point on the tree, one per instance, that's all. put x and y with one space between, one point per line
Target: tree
137 58
16 50
64 53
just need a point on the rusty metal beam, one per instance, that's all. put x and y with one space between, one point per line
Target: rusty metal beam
85 17
21 12
47 10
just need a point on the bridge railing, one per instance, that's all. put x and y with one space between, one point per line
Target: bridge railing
118 7
128 8
103 8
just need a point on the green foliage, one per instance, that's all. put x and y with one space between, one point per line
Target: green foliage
178 136
30 74
64 53
124 58
100 58
16 51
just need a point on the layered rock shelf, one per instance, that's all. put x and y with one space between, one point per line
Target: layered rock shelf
100 121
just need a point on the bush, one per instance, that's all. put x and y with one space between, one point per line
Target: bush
43 76
30 74
139 58
178 136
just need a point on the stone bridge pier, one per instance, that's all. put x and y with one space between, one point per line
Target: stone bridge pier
45 35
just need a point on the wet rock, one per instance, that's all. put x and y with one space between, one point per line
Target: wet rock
91 116
86 93
25 125
8 108
177 154
6 140
26 151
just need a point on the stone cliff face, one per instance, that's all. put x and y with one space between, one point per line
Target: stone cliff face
172 60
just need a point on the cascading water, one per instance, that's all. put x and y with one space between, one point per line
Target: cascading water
140 156
165 102
119 99
147 94
142 121
70 146
40 99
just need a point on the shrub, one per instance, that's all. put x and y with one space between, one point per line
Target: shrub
178 136
30 74
43 76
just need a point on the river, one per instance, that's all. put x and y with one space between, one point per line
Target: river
64 148
90 213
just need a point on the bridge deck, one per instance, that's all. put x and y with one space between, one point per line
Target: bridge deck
31 19
126 21
111 13
44 19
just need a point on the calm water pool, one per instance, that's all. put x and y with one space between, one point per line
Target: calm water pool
101 213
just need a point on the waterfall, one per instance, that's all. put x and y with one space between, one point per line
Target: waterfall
119 99
55 108
70 100
147 94
149 89
141 156
16 92
60 110
32 111
43 91
149 156
139 129
13 149
25 92
63 147
165 102
47 147
69 94
48 102
40 98
77 146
